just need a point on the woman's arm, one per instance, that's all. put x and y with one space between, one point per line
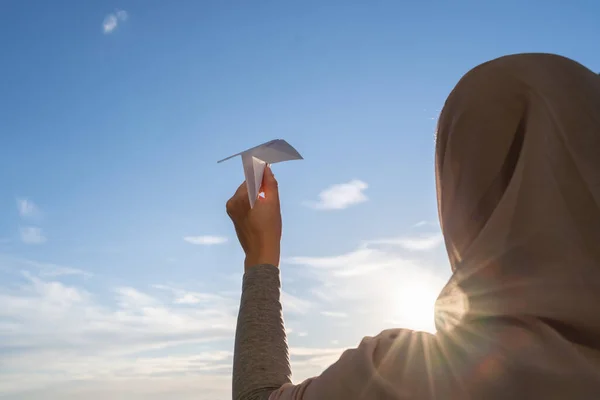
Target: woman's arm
261 363
260 360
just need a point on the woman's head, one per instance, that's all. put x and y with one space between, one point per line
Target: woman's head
518 182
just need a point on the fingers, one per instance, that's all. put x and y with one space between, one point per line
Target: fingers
239 202
269 185
241 190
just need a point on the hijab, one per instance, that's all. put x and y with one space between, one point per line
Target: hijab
518 185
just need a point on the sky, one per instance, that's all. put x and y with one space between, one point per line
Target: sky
120 272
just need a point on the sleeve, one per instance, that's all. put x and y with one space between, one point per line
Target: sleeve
260 362
389 366
492 360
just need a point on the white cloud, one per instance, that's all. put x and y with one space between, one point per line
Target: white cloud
27 208
294 305
417 243
122 15
340 196
305 360
62 271
202 376
356 263
182 296
29 234
131 298
206 240
191 384
309 351
425 223
334 314
53 334
190 298
32 235
375 284
111 21
64 341
45 270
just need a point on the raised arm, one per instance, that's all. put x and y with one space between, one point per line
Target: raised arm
260 362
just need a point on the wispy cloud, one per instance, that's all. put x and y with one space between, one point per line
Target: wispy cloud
66 341
32 235
306 360
355 263
122 15
376 283
207 240
193 298
309 351
64 271
27 208
334 314
295 305
189 297
55 333
341 195
185 378
417 243
424 223
45 270
111 21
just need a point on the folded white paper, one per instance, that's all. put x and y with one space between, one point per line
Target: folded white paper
256 159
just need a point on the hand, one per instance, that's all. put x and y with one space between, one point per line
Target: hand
258 229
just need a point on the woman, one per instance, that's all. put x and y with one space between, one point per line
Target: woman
518 183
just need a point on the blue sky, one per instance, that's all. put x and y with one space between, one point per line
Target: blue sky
113 115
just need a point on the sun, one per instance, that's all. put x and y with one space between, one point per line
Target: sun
415 305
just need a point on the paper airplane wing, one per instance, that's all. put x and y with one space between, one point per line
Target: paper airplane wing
256 158
276 151
271 152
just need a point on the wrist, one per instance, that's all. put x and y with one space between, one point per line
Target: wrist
270 257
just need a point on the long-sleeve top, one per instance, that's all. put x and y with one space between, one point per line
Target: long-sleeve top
261 362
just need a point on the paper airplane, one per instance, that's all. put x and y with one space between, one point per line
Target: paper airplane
256 159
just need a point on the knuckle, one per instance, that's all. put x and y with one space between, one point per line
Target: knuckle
229 206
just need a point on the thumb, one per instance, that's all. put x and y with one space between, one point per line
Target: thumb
269 185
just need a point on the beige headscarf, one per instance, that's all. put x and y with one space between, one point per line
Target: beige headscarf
518 178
